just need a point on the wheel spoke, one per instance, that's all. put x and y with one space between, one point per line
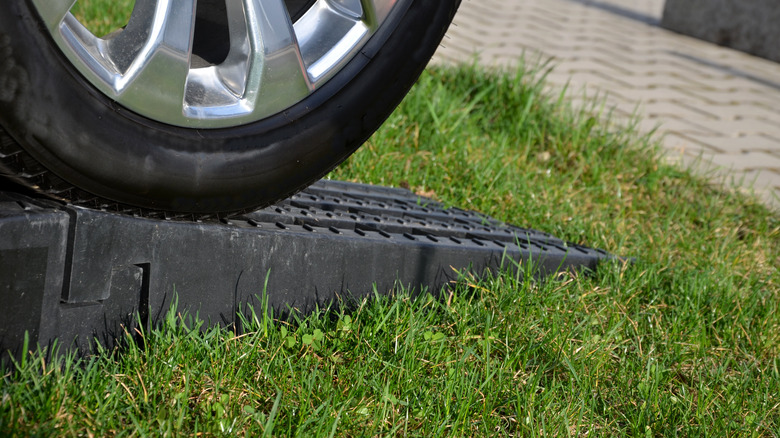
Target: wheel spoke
375 11
351 8
217 91
263 71
277 55
53 11
156 75
235 70
330 34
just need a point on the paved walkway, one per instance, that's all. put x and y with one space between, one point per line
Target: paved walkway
709 102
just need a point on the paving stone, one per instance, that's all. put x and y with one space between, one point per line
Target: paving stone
707 100
647 96
668 126
733 111
763 179
593 78
740 80
653 81
687 144
722 96
747 161
666 109
739 128
659 65
736 144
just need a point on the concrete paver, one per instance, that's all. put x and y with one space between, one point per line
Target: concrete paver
708 102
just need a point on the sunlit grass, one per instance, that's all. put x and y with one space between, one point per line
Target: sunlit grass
685 342
102 17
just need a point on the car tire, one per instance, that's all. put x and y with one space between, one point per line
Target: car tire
66 138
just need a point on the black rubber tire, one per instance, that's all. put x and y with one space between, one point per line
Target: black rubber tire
61 136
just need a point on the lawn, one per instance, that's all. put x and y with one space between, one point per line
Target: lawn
102 17
683 342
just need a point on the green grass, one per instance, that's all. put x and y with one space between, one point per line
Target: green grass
102 17
685 342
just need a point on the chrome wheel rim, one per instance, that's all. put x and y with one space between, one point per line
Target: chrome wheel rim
272 63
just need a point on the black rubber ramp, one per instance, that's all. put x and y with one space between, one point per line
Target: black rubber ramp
77 274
